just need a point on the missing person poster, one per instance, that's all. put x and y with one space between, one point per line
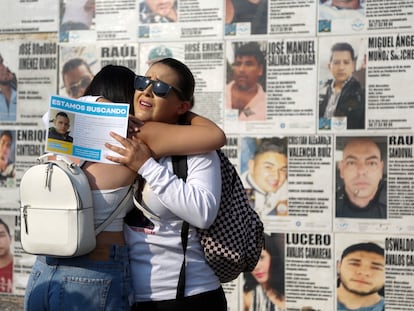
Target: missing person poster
80 128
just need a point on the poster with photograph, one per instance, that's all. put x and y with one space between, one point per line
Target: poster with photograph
364 16
28 66
205 60
80 128
270 86
78 63
175 20
341 105
246 18
287 192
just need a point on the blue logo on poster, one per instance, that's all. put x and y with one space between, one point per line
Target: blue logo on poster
343 225
358 25
230 29
324 124
143 31
325 25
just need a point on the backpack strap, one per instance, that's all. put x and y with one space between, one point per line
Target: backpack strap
123 204
180 169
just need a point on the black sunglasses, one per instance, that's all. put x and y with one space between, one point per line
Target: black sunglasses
76 87
159 88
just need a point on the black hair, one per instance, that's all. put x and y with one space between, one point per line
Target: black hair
251 49
186 81
115 83
349 141
342 46
273 144
277 269
62 114
72 64
6 133
364 247
5 226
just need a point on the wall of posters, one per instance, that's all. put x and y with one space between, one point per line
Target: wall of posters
320 90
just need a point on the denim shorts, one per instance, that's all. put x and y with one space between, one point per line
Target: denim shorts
80 283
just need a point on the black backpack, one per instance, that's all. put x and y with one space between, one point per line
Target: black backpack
233 243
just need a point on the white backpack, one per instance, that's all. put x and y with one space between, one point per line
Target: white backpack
56 209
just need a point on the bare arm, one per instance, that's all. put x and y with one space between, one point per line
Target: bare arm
164 139
156 139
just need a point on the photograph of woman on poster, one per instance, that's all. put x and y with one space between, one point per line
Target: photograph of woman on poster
264 287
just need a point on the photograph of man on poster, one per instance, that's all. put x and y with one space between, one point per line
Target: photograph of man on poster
361 186
244 92
6 258
77 15
8 95
60 128
253 12
361 278
341 96
7 167
341 9
76 77
265 178
155 11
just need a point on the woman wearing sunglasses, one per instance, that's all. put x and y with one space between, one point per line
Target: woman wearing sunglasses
166 138
165 94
